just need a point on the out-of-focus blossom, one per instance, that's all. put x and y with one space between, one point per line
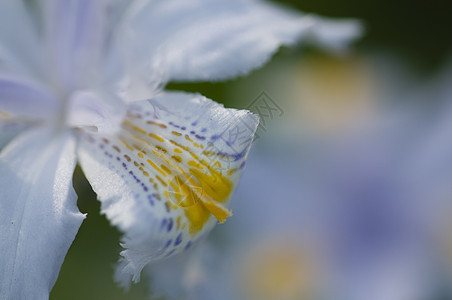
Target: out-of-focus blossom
81 80
379 214
323 95
362 214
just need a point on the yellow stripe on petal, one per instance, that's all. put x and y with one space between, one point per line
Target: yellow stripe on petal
218 210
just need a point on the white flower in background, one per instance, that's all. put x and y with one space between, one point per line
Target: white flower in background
441 88
339 221
80 82
379 211
359 215
325 95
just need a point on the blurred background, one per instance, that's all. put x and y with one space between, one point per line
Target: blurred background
348 189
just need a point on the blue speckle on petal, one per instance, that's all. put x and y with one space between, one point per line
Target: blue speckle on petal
168 243
170 224
163 225
151 200
188 245
178 239
171 252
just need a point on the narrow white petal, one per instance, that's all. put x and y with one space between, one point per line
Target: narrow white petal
334 34
10 128
38 213
19 45
167 179
76 38
25 98
216 39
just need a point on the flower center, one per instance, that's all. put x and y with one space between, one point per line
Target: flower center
94 112
277 271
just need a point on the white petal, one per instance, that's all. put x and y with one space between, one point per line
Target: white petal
10 128
76 38
216 39
19 45
25 98
168 177
38 214
335 34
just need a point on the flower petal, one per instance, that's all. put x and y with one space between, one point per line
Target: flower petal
19 46
216 39
38 213
25 98
76 39
167 179
10 128
335 34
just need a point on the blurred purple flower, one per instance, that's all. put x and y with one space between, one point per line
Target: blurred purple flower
365 212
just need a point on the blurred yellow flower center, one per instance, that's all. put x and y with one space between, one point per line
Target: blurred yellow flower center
333 93
279 272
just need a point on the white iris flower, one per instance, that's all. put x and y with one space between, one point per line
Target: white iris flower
80 82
